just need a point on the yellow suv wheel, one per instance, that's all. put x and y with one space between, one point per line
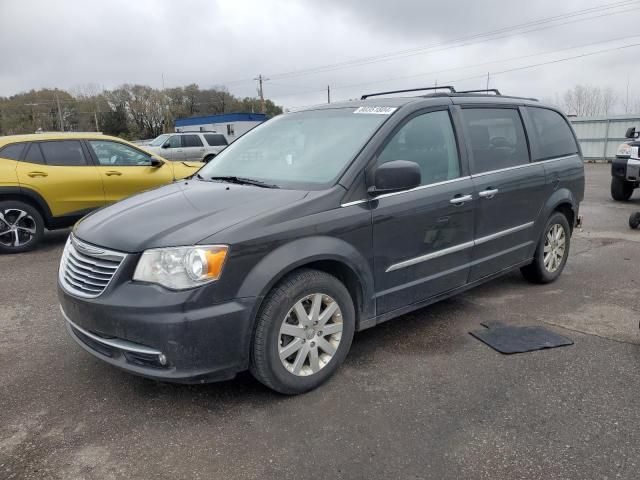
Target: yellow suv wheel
21 227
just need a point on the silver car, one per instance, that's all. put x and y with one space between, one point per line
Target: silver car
188 146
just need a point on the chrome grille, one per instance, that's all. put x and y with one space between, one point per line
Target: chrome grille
86 270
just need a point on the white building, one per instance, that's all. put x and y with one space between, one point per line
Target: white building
231 125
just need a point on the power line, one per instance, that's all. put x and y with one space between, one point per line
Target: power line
534 65
448 44
420 50
466 67
483 64
524 67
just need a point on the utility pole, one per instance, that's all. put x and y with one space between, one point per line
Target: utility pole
487 82
328 94
261 79
626 103
59 113
95 117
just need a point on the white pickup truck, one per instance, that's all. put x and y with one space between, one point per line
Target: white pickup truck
625 168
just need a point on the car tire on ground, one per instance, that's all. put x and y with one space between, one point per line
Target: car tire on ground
552 251
634 220
21 227
303 332
621 190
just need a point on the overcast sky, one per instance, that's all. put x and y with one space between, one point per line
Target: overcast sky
65 44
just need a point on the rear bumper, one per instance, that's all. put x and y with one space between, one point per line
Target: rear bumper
169 344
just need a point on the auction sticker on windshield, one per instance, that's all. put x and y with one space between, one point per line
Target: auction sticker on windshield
376 110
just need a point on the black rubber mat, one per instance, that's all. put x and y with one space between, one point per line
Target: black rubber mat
508 339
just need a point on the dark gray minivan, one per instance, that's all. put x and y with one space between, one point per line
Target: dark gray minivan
317 224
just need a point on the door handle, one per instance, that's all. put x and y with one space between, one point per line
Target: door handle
460 199
37 174
488 193
112 172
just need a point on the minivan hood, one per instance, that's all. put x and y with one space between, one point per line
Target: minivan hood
182 213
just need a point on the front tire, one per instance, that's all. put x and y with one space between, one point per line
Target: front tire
552 251
303 332
621 190
634 220
21 227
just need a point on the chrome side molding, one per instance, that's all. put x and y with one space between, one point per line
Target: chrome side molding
457 248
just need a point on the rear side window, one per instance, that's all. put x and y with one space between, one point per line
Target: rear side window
12 151
553 135
215 139
64 153
191 141
429 141
497 138
34 154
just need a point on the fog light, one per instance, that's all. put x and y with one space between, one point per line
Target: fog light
162 359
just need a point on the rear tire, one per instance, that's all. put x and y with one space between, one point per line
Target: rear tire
634 220
552 251
21 227
621 190
310 316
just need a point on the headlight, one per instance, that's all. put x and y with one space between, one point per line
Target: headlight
179 268
624 150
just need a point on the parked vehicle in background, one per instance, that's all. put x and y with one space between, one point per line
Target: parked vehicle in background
317 224
625 168
51 180
191 146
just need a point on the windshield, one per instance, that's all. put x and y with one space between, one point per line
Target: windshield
159 141
305 150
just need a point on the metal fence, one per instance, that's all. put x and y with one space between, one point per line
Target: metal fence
600 137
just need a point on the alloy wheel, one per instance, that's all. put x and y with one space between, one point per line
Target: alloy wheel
310 334
17 227
554 247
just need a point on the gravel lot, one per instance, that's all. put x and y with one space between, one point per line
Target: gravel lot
418 397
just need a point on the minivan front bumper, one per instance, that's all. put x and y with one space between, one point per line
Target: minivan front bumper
170 343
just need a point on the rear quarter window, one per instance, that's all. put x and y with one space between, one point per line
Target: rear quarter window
12 151
553 135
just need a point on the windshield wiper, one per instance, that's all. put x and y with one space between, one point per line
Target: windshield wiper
244 181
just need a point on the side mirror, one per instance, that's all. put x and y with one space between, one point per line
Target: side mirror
395 176
156 162
166 145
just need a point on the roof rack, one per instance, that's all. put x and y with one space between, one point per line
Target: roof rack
451 93
482 90
448 87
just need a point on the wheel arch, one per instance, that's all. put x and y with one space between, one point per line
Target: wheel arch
30 197
563 201
327 254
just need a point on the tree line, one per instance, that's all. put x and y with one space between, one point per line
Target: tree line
593 101
129 111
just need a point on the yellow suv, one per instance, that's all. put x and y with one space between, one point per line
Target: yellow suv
52 180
